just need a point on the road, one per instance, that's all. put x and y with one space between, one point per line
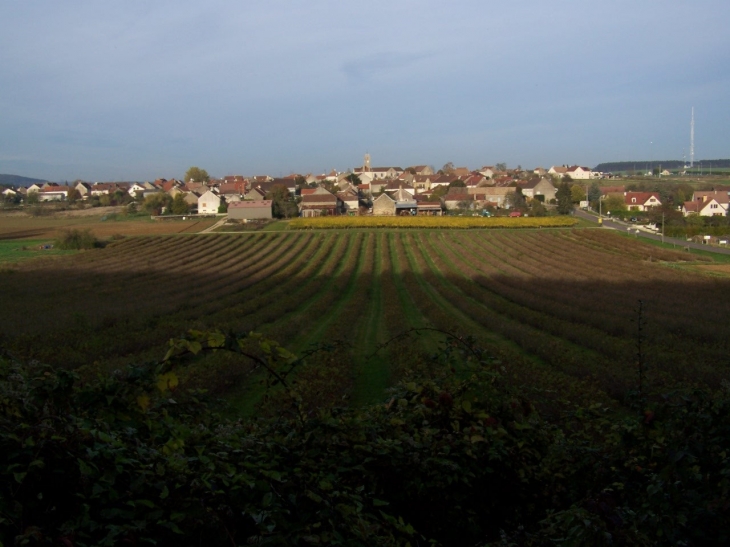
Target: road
630 228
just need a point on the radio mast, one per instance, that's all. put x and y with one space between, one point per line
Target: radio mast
692 139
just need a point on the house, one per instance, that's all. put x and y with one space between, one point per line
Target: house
641 201
34 188
720 196
350 202
250 210
53 193
540 171
443 180
83 189
254 194
428 208
577 172
711 207
421 170
319 203
384 205
208 203
494 195
458 197
137 188
558 170
232 191
541 189
268 186
379 172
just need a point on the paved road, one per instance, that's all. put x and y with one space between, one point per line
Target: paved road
629 228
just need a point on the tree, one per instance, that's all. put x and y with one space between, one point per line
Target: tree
439 192
577 193
564 198
196 174
515 199
354 179
448 168
283 206
500 166
537 209
156 203
73 195
614 204
594 192
458 183
567 178
179 205
32 197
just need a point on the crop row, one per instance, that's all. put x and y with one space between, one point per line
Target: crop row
430 222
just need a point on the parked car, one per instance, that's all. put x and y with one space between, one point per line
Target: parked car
515 214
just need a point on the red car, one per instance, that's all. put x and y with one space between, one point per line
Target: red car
515 214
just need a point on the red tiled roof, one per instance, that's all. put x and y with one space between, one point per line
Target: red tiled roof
250 204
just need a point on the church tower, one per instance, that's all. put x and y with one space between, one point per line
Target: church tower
366 164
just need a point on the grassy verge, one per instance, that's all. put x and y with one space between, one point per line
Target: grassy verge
13 251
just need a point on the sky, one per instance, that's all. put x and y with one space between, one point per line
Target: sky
108 90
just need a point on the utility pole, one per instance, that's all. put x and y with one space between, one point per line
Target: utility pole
692 139
662 226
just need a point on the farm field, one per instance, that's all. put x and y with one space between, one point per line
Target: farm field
557 307
102 225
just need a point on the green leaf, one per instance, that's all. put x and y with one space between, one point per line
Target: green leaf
19 477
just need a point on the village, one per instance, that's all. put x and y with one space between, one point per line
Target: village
378 191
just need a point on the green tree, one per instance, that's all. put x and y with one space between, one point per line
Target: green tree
515 199
577 193
537 209
179 205
32 198
283 205
223 207
614 204
500 166
439 192
156 203
448 168
564 199
196 174
354 179
73 195
594 192
458 183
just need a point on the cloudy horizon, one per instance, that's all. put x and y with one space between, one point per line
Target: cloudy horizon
137 90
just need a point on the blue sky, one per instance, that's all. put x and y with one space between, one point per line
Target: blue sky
135 90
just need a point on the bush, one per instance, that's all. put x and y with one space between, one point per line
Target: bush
459 456
77 240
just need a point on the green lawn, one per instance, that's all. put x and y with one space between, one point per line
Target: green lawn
15 250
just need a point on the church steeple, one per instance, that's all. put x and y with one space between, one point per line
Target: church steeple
366 164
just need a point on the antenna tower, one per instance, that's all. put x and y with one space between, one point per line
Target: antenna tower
692 139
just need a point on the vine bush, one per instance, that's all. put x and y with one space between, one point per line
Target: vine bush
458 456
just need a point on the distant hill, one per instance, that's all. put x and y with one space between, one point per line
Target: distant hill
17 180
642 165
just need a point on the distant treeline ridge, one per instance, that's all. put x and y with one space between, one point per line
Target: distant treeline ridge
643 165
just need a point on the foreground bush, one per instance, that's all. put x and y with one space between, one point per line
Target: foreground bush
76 240
457 459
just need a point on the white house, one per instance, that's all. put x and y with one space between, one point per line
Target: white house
576 172
208 203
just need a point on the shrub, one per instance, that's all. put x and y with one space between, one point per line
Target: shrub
77 240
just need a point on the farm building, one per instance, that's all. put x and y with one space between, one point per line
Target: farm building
541 189
250 210
384 205
319 203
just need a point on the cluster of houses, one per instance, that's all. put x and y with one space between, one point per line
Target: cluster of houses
706 203
416 190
